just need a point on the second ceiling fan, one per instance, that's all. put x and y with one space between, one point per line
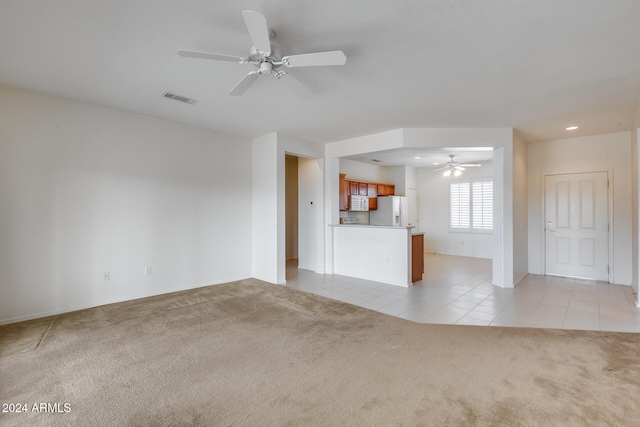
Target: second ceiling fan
267 58
456 168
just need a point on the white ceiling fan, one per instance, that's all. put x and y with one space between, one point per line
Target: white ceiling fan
456 168
267 57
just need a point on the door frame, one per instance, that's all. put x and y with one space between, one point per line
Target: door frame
543 221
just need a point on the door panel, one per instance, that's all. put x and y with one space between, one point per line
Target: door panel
587 204
577 223
563 250
562 201
587 252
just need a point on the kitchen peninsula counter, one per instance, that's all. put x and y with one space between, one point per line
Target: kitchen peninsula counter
372 252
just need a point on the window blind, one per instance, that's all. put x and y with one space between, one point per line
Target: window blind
460 214
482 205
471 205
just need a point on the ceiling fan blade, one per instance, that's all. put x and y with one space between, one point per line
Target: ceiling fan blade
244 84
214 56
459 167
336 57
294 84
258 30
442 168
471 165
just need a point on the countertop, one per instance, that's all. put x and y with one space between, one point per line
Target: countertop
405 227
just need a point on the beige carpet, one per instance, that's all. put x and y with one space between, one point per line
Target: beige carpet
253 354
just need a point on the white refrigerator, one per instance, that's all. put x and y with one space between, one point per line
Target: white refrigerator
392 210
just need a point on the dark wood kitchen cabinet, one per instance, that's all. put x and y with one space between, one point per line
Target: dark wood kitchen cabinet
344 192
363 188
353 187
372 192
386 189
417 257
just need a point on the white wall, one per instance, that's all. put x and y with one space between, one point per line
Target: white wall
269 233
433 191
635 208
311 199
520 213
363 171
635 211
609 152
268 206
411 179
309 214
397 175
87 189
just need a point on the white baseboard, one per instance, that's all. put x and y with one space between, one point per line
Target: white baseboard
110 301
515 283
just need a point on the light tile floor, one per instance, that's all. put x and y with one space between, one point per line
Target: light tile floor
458 290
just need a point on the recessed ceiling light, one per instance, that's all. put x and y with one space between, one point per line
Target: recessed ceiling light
572 128
417 157
436 163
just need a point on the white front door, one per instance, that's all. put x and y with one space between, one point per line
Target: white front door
577 225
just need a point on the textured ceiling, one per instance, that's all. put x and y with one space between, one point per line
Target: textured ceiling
425 157
538 66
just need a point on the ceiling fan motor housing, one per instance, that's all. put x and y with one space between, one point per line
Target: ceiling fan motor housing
257 58
266 67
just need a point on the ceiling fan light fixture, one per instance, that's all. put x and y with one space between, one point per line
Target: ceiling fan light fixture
457 173
447 172
266 68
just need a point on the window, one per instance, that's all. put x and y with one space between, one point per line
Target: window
471 205
460 214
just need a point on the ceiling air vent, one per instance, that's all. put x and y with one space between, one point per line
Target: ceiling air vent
180 98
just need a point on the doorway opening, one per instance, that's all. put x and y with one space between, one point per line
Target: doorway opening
291 212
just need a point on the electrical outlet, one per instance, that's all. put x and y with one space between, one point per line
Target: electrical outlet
106 275
147 270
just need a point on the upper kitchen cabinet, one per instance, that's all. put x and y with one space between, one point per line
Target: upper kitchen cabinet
344 192
363 188
353 188
372 192
386 190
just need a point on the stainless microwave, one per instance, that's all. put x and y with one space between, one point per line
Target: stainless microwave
358 203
